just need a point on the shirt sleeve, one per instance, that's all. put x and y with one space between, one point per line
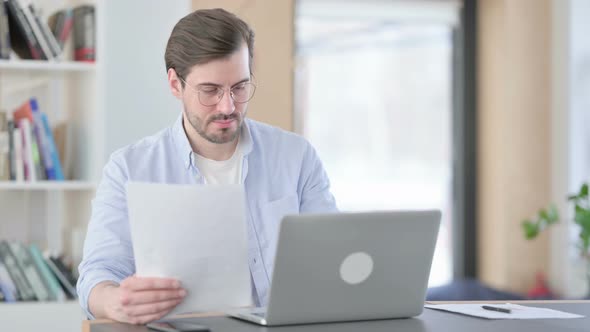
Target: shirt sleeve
108 253
315 185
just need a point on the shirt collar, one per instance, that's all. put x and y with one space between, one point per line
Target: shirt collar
186 151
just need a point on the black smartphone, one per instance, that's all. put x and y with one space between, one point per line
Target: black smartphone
178 327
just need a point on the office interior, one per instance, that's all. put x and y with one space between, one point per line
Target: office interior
478 108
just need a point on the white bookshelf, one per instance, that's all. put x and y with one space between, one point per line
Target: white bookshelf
107 104
51 66
48 185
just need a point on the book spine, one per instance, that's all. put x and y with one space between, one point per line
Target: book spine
46 32
25 291
11 152
55 289
19 167
7 285
42 141
25 28
4 156
65 28
63 279
33 276
52 149
5 47
43 45
29 166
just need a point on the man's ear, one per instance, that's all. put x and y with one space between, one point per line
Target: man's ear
174 83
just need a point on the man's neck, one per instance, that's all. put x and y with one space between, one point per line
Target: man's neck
208 149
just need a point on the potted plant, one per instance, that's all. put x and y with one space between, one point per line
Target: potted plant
549 216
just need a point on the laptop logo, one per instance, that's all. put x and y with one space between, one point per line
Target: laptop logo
356 268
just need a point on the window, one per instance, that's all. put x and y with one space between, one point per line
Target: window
374 96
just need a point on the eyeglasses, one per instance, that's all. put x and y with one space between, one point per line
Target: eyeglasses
210 95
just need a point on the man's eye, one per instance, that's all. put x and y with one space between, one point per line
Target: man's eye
209 90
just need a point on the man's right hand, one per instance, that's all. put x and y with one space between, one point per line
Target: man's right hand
136 300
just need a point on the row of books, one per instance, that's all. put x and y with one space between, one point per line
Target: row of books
23 30
27 274
27 147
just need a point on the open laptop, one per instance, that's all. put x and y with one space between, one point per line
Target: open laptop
349 266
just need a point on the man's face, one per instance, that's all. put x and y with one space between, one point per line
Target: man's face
219 123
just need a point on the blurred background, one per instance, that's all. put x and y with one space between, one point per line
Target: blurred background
479 108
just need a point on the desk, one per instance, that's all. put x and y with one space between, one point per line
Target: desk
429 321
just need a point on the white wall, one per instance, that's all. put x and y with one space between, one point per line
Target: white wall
136 98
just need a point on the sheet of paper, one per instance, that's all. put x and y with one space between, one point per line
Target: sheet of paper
194 233
517 311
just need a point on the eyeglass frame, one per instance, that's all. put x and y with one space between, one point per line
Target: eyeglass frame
198 91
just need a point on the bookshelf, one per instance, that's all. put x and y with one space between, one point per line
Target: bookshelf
43 65
102 106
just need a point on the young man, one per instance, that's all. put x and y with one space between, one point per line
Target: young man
209 64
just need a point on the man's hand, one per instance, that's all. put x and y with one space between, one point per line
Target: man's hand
136 300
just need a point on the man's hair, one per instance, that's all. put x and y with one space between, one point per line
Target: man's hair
205 35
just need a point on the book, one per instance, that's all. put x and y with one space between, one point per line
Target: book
24 126
42 140
5 46
11 148
56 292
65 277
46 32
52 149
17 154
4 148
25 292
33 275
22 38
61 24
41 40
7 285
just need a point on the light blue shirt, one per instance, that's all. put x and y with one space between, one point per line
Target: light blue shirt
281 172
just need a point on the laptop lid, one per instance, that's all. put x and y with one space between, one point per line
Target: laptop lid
352 266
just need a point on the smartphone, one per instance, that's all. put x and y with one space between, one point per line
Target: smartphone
178 327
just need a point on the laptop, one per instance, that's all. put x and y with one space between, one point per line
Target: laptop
349 266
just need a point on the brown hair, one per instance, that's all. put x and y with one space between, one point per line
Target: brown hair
205 35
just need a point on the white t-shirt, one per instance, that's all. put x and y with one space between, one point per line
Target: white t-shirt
223 171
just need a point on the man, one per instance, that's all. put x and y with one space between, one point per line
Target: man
209 64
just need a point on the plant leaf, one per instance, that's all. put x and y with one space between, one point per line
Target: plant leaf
584 191
531 230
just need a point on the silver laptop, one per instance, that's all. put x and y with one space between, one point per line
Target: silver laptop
349 266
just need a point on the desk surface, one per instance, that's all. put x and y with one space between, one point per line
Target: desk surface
429 321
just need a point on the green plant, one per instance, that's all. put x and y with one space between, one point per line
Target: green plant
549 216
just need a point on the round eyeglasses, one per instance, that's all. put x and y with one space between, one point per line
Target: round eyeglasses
211 95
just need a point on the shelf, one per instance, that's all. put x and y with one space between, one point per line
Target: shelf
47 185
44 65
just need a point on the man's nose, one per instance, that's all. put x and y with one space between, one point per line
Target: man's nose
226 105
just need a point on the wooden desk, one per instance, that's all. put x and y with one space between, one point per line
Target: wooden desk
429 321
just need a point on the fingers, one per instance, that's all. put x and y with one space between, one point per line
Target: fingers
134 283
151 308
144 297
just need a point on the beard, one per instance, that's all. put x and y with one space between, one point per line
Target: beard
220 136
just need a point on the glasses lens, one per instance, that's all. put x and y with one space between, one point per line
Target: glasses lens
243 92
210 96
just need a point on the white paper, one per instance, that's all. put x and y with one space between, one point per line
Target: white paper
194 233
517 311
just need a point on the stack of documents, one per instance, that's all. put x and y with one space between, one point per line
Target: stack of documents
514 311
